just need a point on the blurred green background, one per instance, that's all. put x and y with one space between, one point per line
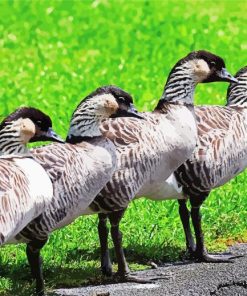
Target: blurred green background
53 53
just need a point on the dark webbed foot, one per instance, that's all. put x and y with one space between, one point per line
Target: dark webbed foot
217 258
140 280
132 278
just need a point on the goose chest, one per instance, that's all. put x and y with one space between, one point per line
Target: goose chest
78 172
179 136
147 153
29 192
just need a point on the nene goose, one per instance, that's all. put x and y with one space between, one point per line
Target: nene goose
154 150
220 156
25 188
78 169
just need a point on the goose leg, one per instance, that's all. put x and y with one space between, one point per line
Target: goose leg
201 252
106 266
35 262
115 218
123 269
185 219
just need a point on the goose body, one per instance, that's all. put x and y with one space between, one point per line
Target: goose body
142 167
180 134
78 169
163 142
221 151
149 159
25 188
219 156
78 173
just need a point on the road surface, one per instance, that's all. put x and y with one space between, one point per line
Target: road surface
180 279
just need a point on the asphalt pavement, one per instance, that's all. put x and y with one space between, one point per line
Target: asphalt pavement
180 279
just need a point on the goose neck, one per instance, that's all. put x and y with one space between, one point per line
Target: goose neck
11 143
83 128
236 96
180 88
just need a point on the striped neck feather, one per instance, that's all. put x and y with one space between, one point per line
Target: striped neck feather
180 87
84 125
237 92
10 141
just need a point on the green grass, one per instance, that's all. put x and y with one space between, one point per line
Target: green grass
53 53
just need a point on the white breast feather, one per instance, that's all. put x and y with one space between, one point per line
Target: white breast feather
179 139
40 186
40 191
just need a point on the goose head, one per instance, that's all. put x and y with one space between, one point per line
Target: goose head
207 67
197 67
28 124
105 102
237 92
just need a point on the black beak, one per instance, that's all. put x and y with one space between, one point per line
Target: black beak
224 75
130 112
49 135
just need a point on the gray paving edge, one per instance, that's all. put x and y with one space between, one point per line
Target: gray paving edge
180 279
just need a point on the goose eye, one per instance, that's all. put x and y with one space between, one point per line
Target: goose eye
212 63
39 123
121 100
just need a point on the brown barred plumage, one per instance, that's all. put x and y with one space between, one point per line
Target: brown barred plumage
78 173
78 169
221 149
25 188
220 155
25 192
148 151
74 169
148 158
